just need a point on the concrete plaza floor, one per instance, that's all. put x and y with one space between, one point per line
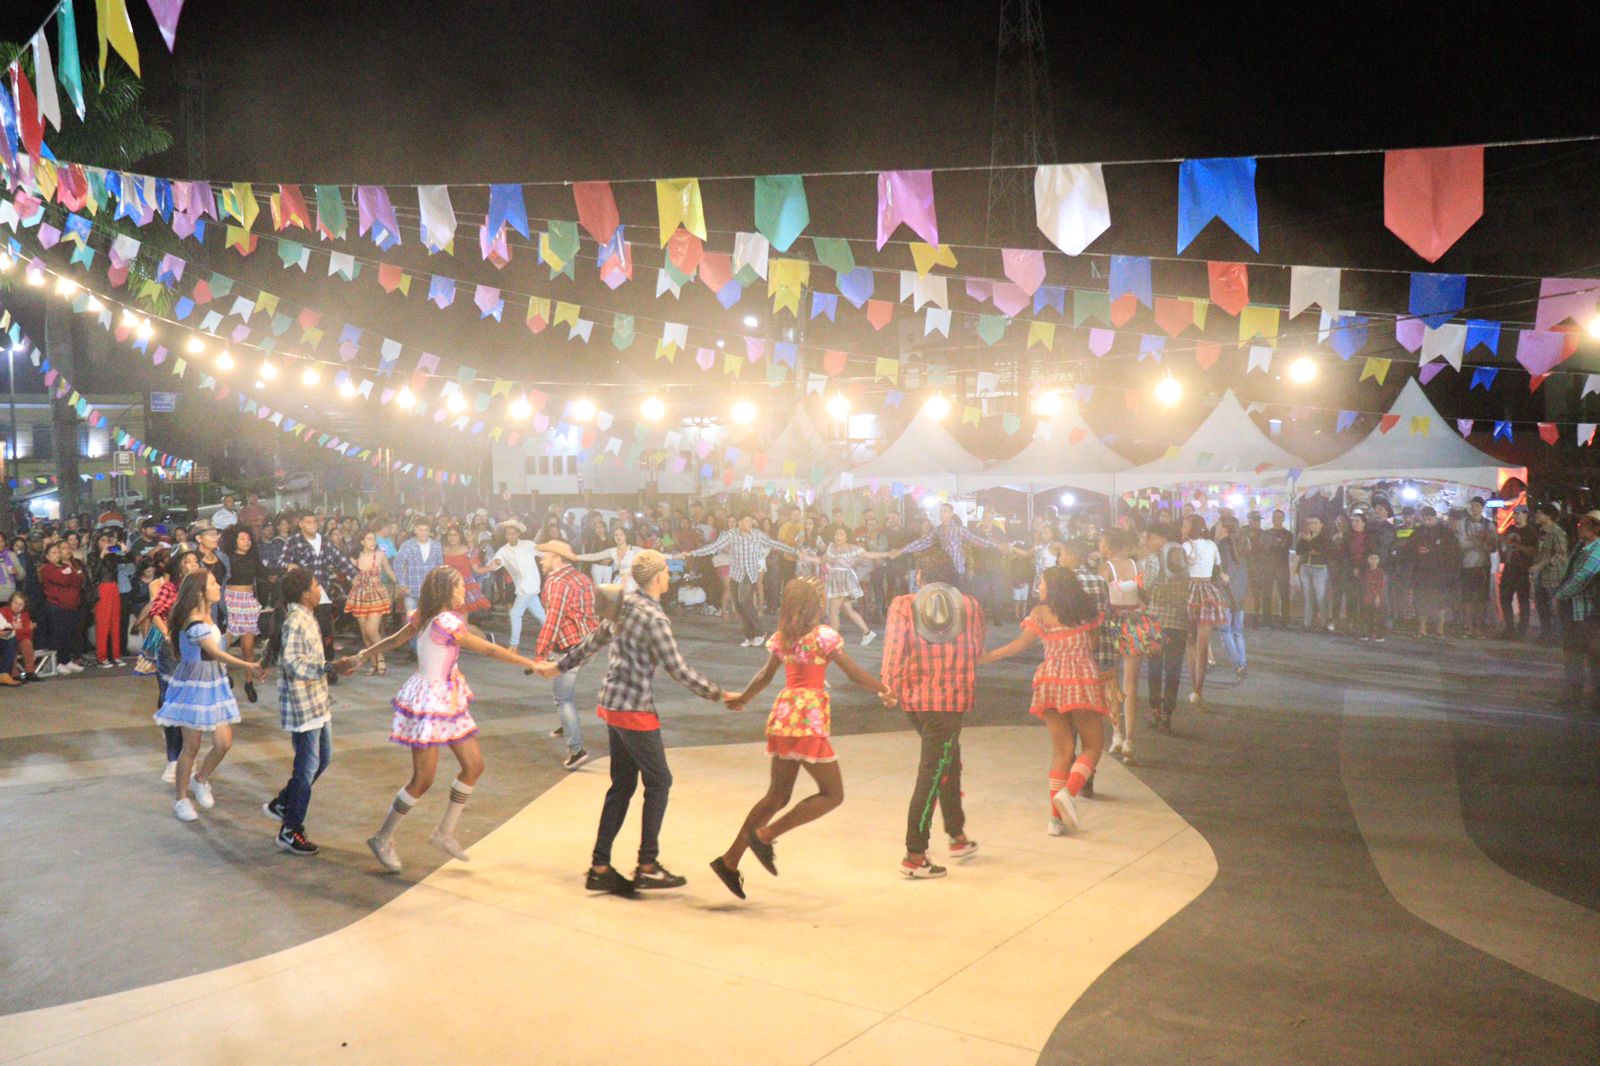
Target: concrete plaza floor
1363 853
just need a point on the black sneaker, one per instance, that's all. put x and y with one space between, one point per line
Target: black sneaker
273 809
763 852
1088 789
660 877
250 691
295 843
333 679
611 881
575 760
559 731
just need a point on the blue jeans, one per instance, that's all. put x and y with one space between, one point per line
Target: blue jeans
565 688
313 751
525 602
1314 594
635 754
1233 638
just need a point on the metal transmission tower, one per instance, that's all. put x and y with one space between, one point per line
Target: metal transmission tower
1024 131
192 76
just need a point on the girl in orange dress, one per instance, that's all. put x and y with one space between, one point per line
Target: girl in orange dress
798 727
1069 692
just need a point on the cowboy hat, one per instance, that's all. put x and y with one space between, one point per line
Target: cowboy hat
514 522
940 613
559 548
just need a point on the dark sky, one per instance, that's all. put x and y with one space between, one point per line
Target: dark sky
403 92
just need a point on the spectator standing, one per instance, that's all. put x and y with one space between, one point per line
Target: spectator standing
1475 536
1548 570
1519 548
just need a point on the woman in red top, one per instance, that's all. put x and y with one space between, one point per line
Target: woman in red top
62 577
20 623
1068 691
163 596
798 727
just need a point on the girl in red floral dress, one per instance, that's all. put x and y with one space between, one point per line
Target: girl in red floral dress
1068 691
798 727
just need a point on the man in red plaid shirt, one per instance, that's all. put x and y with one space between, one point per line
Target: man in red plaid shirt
568 597
930 661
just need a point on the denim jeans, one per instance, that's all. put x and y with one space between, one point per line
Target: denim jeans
313 751
1233 638
1314 594
1164 668
565 688
635 753
938 777
525 602
744 605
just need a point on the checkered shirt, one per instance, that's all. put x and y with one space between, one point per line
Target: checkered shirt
568 597
950 537
747 553
927 676
1105 644
324 564
412 564
1579 587
640 641
302 673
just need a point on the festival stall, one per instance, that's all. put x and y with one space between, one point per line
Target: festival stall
799 460
1064 453
924 456
1227 447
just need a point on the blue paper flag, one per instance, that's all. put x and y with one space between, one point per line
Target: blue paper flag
1151 345
1218 188
784 352
1502 430
183 308
1483 377
825 303
730 294
442 291
856 286
1485 332
1345 420
894 398
1435 298
507 209
1050 296
1083 393
1131 274
78 226
1348 335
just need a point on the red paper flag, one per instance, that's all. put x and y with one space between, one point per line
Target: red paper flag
1123 308
879 312
308 318
1548 432
1134 400
1076 435
597 209
1388 422
833 362
27 110
685 250
292 207
716 270
1431 196
1535 380
1206 354
1230 286
389 275
1174 316
202 292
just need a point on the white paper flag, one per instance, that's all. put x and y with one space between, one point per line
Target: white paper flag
1448 342
1260 358
938 319
750 250
1313 285
581 328
665 284
1070 204
934 289
44 81
438 216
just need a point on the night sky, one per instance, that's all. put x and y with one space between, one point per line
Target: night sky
404 93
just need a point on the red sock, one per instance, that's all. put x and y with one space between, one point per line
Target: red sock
1082 770
1056 785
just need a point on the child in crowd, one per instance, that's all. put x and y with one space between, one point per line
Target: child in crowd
1374 599
16 616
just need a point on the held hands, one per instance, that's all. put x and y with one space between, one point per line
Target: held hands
889 698
546 669
346 666
735 701
254 672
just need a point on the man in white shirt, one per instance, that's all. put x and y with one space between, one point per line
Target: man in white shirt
225 515
520 559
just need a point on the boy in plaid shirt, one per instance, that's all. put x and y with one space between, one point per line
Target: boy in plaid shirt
303 706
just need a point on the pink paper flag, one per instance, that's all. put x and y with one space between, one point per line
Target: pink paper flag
1009 298
166 13
906 196
1564 298
1431 196
1464 426
754 348
1431 371
1100 340
980 289
1410 332
1538 352
1024 267
705 357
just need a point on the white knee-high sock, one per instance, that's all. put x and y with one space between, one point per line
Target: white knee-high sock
459 794
403 802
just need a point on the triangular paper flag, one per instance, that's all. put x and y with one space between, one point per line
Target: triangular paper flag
1217 188
906 196
1431 196
1070 204
1313 285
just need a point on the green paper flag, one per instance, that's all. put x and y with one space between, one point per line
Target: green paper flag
992 327
1087 305
564 239
781 210
292 253
331 218
622 332
69 70
834 252
679 278
747 276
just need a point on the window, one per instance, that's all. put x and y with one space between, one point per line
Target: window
44 442
83 440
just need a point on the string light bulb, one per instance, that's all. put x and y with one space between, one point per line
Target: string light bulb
744 413
654 409
268 371
1303 370
583 409
1168 391
1048 404
224 360
66 286
1594 327
751 322
521 409
937 407
309 376
36 278
405 399
348 389
6 262
195 346
456 403
94 305
838 407
146 330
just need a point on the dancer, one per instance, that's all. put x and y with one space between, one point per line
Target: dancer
1137 633
569 598
1165 573
748 550
618 558
368 601
641 640
310 550
104 562
797 727
433 709
949 535
844 584
520 559
163 597
198 699
303 707
462 558
1206 608
239 595
932 641
1069 690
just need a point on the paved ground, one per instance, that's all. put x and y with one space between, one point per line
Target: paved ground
1404 840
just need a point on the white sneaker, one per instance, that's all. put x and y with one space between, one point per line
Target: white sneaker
185 811
745 643
202 793
170 774
450 845
869 638
1116 743
385 853
1068 807
1056 827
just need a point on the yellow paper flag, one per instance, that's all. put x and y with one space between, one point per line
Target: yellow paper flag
665 349
1377 369
887 369
565 312
1042 333
1419 425
971 416
1258 321
733 364
1173 451
539 308
927 256
501 385
267 303
678 204
556 263
114 26
45 177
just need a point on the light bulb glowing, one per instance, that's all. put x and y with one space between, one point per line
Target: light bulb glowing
654 409
838 407
66 286
224 360
195 346
744 413
1068 499
1594 327
1048 404
347 390
456 403
146 330
405 399
6 262
583 409
521 409
36 278
309 376
268 371
129 318
1303 370
1411 494
94 305
937 407
751 322
1168 391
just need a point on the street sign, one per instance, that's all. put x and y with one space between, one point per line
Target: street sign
163 402
199 473
122 460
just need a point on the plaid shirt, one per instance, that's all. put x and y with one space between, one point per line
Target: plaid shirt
1105 645
643 641
1578 588
165 599
950 537
927 676
413 563
1166 591
568 597
747 552
302 673
1552 557
324 564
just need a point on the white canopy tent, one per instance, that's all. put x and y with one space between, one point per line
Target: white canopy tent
925 455
1054 459
1431 452
801 444
1227 446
